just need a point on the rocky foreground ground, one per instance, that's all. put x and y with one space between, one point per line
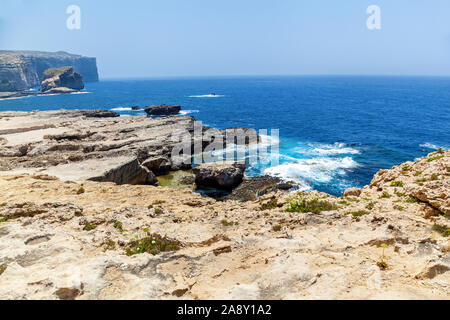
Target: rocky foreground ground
66 238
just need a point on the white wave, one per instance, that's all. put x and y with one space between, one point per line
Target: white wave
124 109
207 96
80 92
318 169
334 149
185 112
428 145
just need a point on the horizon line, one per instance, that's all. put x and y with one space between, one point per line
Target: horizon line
273 75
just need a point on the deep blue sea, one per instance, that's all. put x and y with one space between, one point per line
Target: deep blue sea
335 131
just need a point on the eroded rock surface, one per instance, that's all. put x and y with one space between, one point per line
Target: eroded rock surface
58 243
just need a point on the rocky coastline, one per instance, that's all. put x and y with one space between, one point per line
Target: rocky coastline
84 216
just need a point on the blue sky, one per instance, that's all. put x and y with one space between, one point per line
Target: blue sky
148 38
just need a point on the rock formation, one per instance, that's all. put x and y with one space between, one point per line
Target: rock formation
65 236
23 70
61 80
80 240
162 110
227 175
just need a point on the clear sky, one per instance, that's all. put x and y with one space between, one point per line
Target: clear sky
153 38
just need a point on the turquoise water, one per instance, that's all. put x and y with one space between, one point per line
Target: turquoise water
335 132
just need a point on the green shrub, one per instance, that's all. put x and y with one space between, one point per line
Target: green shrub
277 228
359 213
272 204
397 184
443 230
384 195
434 177
81 190
299 204
435 158
412 200
89 227
371 205
153 244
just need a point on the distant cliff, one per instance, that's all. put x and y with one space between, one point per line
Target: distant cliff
22 70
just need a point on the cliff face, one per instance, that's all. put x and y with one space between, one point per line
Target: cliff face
22 70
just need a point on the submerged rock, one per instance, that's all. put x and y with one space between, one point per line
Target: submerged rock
226 175
162 110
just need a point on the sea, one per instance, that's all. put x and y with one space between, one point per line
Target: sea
335 132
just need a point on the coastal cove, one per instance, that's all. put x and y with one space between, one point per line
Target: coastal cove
335 132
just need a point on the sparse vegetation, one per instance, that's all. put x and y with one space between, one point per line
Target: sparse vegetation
158 202
435 158
2 269
371 205
3 219
159 211
153 244
382 264
434 177
277 228
272 204
359 213
298 203
400 194
384 195
227 223
412 200
89 227
443 230
81 190
405 169
108 245
418 173
397 184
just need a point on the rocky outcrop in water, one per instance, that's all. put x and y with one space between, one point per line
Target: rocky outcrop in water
57 80
23 70
162 110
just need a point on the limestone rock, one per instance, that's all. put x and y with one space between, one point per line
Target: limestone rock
227 175
352 192
61 80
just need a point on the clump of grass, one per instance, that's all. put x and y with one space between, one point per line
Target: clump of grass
119 226
435 158
272 204
159 211
108 245
418 173
382 264
81 190
406 168
359 213
158 202
371 205
153 244
400 194
412 200
343 202
2 269
434 177
299 204
4 204
443 230
397 184
277 228
384 195
399 208
227 223
4 219
89 227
